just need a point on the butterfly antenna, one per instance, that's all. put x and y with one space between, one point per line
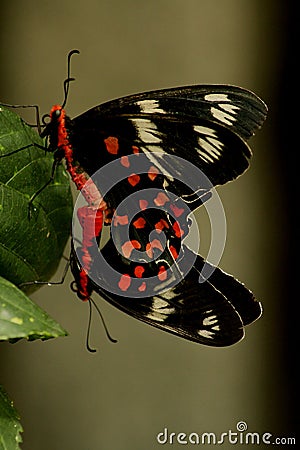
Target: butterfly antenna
69 78
91 304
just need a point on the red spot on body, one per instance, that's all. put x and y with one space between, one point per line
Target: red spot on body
178 231
143 204
139 223
152 173
138 271
62 135
177 211
112 145
78 176
125 161
134 179
161 199
135 149
91 221
83 291
129 246
124 282
162 273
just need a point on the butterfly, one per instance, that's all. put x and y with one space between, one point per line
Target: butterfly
202 126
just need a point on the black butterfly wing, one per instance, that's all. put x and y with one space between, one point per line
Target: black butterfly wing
205 125
213 312
239 109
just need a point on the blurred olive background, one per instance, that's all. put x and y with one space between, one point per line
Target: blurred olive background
122 396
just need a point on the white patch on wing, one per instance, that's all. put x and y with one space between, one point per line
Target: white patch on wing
206 333
210 145
210 320
216 143
166 184
169 295
211 154
202 154
216 97
222 116
160 310
150 106
229 110
205 130
146 130
155 149
159 303
229 107
156 316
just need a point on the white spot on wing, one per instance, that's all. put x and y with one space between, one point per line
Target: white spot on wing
208 141
216 143
150 106
212 153
160 311
210 320
206 333
205 130
169 295
146 130
216 97
229 110
159 303
156 316
229 107
223 117
206 147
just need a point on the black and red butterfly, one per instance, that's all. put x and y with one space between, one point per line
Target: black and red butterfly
205 125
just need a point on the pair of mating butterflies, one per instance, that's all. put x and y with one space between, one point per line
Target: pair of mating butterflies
206 125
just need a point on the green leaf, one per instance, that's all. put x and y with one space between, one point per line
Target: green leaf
30 249
22 318
10 427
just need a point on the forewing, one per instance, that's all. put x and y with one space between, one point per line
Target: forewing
205 125
239 109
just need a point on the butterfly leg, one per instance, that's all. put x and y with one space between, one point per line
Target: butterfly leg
37 114
49 283
33 197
